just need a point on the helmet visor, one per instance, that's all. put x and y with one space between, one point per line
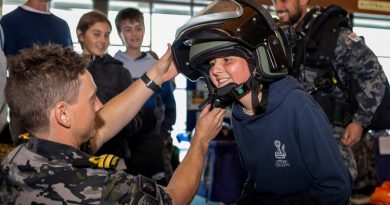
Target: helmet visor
222 21
215 11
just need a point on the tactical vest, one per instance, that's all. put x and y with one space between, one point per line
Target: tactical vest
317 37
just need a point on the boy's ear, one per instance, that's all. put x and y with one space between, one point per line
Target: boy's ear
122 37
62 114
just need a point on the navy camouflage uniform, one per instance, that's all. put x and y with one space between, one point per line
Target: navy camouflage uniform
44 172
353 60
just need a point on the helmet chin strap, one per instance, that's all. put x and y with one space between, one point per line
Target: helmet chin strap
259 106
226 95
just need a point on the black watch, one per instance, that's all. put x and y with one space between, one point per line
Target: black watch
150 83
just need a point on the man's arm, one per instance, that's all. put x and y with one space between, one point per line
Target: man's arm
122 108
364 78
185 180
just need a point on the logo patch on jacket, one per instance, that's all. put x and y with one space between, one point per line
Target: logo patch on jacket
280 155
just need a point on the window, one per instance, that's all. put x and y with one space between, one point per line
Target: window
375 30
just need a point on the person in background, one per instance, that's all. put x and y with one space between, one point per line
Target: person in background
65 112
32 23
6 144
284 138
3 80
359 76
170 151
158 113
111 78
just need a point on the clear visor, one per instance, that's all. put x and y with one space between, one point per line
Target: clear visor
216 11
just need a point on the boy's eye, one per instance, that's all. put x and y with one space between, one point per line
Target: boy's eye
226 60
212 63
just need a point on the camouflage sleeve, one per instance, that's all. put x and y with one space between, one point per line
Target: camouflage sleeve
122 188
356 64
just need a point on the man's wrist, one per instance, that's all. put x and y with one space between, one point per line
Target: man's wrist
150 83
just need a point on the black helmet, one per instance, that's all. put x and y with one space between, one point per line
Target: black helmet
233 27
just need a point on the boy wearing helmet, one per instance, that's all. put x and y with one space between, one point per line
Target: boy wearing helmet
283 136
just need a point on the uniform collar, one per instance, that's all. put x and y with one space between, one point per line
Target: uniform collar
53 150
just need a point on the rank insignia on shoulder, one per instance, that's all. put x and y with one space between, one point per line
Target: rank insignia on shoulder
354 37
24 137
105 161
147 186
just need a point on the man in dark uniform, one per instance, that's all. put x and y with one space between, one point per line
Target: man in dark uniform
356 74
54 95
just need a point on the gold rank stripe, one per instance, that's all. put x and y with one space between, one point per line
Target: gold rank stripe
107 161
374 5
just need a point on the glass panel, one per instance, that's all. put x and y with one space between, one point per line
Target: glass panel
13 2
376 31
118 5
385 62
71 4
181 82
371 20
163 32
202 1
177 1
376 38
181 118
71 11
171 9
8 8
72 17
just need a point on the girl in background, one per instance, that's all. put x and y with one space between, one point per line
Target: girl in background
111 78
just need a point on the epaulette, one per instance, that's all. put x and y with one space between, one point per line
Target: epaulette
105 161
148 187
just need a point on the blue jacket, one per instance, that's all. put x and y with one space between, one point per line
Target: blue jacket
290 148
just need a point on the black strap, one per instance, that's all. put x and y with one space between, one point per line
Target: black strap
259 107
150 83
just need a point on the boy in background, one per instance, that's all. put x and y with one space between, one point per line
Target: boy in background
158 113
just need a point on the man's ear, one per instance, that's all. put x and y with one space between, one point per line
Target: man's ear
62 115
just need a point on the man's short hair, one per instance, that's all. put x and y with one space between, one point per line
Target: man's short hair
130 14
40 77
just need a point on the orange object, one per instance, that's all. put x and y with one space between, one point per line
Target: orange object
381 195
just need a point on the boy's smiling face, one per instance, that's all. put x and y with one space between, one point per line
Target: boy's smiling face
132 33
225 70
